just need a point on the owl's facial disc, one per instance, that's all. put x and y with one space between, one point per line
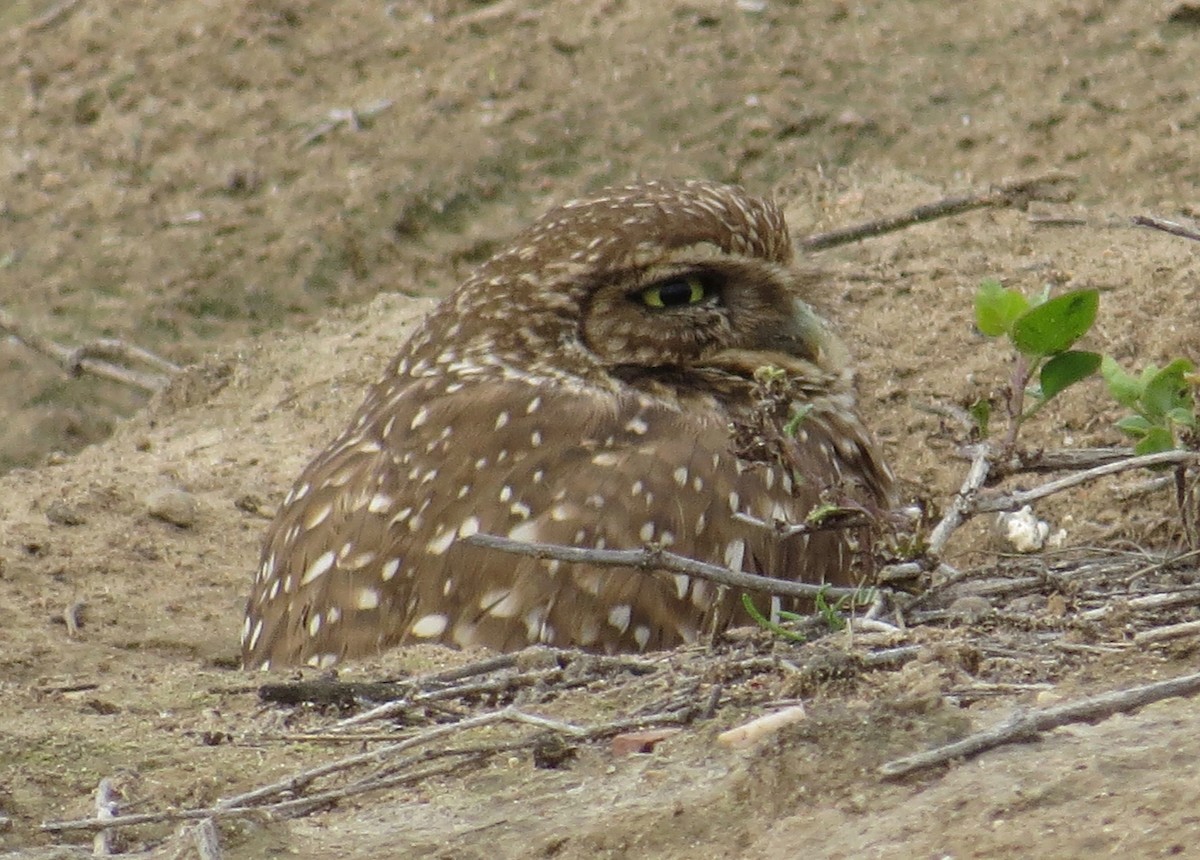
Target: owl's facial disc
691 311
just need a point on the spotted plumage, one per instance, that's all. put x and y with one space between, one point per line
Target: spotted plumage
637 367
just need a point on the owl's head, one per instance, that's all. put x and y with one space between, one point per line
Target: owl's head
654 275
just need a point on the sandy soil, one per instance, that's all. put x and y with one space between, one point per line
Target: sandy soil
170 180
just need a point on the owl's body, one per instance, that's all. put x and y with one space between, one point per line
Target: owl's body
636 368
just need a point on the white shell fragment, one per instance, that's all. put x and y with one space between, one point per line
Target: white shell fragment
1024 532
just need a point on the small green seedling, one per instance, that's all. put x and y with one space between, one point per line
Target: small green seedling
831 613
767 624
1042 331
1161 399
799 413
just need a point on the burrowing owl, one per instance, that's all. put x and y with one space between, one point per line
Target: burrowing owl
637 367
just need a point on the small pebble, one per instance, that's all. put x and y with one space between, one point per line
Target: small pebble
177 507
62 514
972 607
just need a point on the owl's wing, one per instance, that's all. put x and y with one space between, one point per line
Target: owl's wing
366 553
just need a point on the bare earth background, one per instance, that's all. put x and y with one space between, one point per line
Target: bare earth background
172 176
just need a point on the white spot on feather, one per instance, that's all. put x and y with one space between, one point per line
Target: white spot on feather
318 568
429 626
735 552
380 503
641 635
619 617
441 541
367 598
470 526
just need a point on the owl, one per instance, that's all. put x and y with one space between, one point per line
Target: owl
639 367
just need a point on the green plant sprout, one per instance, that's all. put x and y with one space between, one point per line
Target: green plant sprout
1161 400
1043 331
830 613
767 624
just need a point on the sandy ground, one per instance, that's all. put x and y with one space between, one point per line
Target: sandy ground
173 178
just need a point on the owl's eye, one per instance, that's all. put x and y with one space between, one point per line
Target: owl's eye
689 290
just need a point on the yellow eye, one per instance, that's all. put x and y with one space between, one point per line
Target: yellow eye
675 293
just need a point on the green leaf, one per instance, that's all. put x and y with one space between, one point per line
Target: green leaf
1183 416
1135 426
1158 439
981 413
1052 327
1168 390
822 512
996 308
1065 369
1125 388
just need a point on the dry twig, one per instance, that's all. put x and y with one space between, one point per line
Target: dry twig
291 789
656 559
1050 186
964 504
95 358
1063 460
1027 725
1169 631
208 840
1172 227
1018 499
351 117
106 810
56 14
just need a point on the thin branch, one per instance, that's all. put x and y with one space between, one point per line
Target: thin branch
106 810
1169 631
1057 221
248 803
964 503
1025 726
1146 603
298 781
1066 459
56 14
841 520
1016 500
653 559
397 706
1172 227
92 358
111 349
351 117
1019 192
218 812
208 840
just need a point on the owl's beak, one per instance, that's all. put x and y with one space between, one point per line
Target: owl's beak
803 335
